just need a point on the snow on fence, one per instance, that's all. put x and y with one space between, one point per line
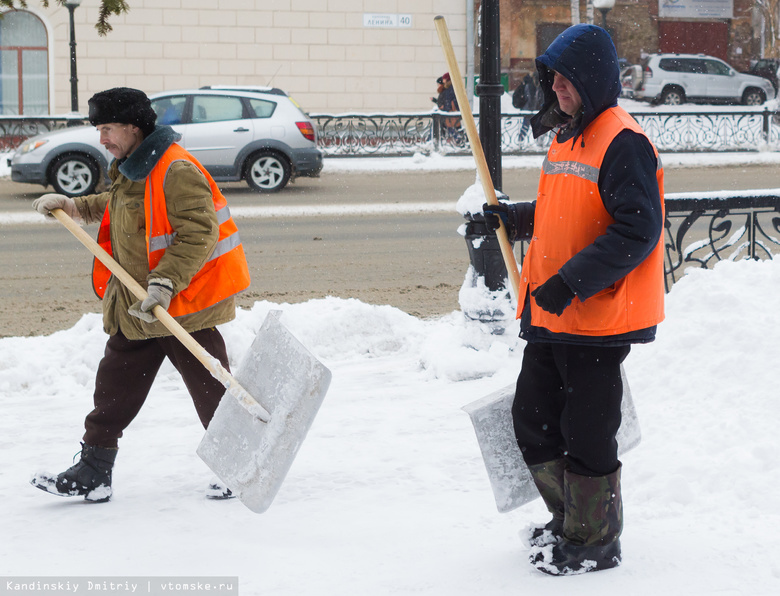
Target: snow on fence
400 134
354 135
702 228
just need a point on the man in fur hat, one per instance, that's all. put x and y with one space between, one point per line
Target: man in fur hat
167 224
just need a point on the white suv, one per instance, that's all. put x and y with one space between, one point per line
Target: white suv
673 79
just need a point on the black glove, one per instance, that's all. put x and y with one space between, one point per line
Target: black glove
494 213
553 295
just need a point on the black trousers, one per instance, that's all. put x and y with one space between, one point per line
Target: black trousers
567 405
127 371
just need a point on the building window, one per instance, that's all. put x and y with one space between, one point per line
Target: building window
24 65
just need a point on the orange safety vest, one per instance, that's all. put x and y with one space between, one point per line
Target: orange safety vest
225 273
569 216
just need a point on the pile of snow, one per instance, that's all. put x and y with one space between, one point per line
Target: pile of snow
388 494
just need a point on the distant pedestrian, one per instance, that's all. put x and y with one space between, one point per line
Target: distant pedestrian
447 102
439 89
528 96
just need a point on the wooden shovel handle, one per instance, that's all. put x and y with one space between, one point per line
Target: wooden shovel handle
212 364
476 149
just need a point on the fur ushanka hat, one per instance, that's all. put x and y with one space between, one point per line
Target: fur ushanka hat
125 106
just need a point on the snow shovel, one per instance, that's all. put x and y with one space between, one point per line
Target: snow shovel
249 445
509 476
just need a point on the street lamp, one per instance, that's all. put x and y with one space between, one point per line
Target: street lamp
74 90
604 6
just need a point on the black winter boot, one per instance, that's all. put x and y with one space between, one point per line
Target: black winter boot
591 530
548 478
90 477
217 491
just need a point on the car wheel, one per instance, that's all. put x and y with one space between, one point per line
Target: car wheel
267 171
73 175
672 96
753 97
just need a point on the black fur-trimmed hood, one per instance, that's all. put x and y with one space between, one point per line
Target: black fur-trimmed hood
141 162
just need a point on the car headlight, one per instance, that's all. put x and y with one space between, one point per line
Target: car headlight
31 145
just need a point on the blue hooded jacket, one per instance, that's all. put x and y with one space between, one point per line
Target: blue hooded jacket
628 186
586 56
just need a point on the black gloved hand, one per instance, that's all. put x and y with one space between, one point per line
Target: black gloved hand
495 213
553 295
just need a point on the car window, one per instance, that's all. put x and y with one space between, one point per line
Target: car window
690 65
693 65
716 68
670 65
207 108
262 108
169 109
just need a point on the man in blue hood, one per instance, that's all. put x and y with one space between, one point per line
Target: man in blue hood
591 286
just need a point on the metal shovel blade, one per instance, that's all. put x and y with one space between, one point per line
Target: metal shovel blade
509 476
253 457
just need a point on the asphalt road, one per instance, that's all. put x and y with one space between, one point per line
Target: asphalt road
413 261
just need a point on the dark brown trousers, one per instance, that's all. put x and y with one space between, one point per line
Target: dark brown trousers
127 371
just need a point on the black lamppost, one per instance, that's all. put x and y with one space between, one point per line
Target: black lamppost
490 89
604 6
74 89
484 250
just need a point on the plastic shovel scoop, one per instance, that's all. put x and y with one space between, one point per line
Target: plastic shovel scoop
251 456
509 477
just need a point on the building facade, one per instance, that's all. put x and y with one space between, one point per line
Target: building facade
337 56
331 55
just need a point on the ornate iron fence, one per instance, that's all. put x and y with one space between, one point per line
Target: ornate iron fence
394 135
704 228
15 129
712 131
406 134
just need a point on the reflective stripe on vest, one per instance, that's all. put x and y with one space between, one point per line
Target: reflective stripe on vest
569 216
163 241
224 274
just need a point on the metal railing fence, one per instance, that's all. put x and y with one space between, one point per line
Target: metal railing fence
361 135
704 228
403 134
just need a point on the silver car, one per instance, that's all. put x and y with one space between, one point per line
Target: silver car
257 134
673 79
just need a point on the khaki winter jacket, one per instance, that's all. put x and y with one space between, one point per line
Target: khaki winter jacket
190 211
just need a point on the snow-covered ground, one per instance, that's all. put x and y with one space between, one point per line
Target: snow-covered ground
388 494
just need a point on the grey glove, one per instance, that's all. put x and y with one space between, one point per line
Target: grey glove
45 203
160 292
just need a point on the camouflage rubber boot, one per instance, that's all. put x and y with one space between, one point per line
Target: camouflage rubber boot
591 530
90 477
548 478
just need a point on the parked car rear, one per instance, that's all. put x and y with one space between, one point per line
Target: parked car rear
257 134
768 68
673 79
